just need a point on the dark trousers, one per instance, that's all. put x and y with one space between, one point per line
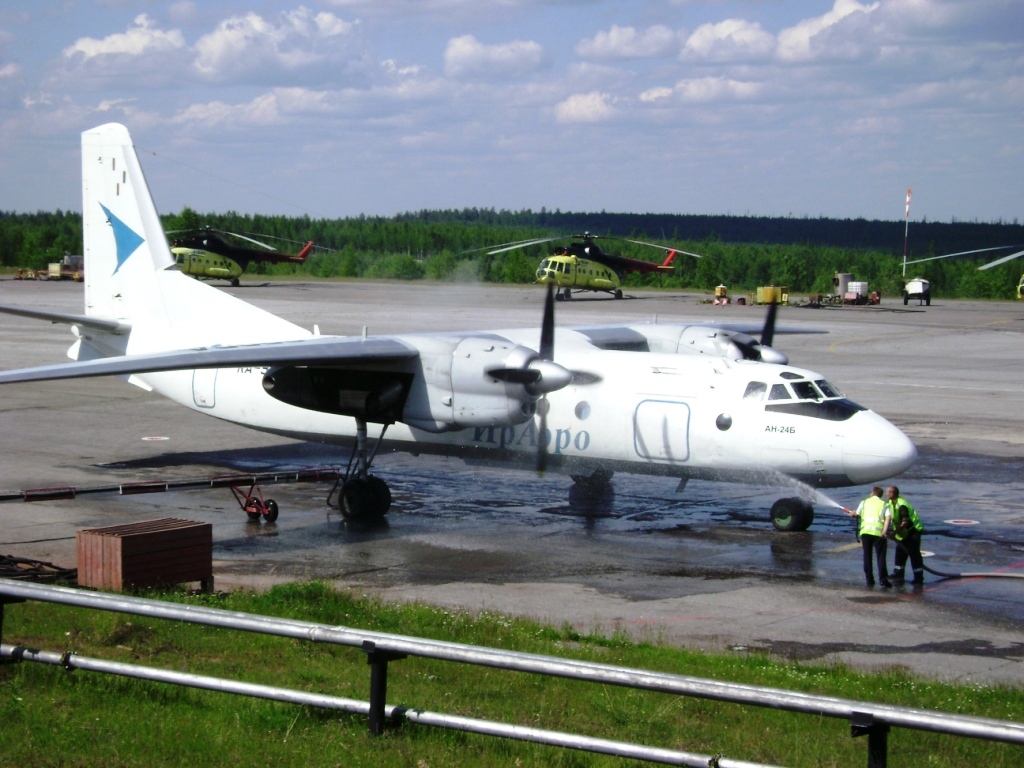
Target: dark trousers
876 545
909 546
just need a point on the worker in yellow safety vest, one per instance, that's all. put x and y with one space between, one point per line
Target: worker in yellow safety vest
907 529
875 518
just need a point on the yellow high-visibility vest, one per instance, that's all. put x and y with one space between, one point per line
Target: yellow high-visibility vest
872 516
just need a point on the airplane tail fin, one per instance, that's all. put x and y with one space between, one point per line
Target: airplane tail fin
123 239
670 256
129 275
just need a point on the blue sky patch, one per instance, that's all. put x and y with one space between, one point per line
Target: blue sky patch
128 241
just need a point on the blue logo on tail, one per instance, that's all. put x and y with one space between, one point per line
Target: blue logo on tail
128 241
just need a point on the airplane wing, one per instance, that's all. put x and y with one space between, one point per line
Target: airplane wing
325 351
633 337
84 321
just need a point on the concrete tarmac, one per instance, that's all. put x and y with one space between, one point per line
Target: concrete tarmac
702 568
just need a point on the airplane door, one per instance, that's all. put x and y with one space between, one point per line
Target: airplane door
661 431
204 387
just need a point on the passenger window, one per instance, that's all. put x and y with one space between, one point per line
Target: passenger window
755 390
779 392
805 391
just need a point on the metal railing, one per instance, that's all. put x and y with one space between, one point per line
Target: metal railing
865 718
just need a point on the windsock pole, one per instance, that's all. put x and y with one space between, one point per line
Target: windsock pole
906 231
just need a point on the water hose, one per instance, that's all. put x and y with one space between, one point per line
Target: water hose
978 575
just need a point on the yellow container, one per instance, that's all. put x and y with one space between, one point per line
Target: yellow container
767 294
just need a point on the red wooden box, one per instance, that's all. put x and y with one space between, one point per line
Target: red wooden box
146 554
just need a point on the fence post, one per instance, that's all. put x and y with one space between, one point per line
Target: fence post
864 723
378 661
4 600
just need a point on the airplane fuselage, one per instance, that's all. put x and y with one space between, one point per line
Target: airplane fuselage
685 415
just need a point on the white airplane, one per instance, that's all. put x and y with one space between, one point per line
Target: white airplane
686 401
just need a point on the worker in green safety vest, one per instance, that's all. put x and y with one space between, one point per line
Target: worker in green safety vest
907 529
875 518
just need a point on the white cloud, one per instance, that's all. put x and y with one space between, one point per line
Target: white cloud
706 89
467 57
593 107
247 47
141 39
261 111
655 94
628 43
142 56
836 34
729 40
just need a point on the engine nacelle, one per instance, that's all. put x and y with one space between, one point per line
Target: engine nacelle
454 389
708 340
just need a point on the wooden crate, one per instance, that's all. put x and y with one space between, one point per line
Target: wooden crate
146 554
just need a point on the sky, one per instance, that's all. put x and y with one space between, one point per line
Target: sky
337 108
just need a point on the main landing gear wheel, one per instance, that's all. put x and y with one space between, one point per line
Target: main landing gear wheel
792 514
618 293
593 494
365 498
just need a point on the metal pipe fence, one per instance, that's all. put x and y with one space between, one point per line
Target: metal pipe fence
865 718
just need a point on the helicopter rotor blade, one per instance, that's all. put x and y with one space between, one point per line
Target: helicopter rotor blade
663 247
522 244
251 240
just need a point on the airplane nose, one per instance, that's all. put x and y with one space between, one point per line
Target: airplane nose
874 449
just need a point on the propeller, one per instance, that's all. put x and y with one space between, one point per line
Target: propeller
752 349
540 375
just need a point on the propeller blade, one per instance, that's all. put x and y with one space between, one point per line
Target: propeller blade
558 377
769 325
542 443
547 327
515 375
585 378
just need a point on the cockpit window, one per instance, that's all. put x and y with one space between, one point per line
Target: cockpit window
827 389
830 410
806 391
779 392
790 375
755 390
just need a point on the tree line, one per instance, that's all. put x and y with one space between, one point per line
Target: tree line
741 252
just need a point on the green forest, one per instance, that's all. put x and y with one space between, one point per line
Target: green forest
741 252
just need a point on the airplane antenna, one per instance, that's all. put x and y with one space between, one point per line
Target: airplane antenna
906 231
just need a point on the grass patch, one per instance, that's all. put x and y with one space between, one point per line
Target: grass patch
53 718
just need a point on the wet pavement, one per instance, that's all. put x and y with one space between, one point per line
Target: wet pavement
702 568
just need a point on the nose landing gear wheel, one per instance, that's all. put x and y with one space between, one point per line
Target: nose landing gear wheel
792 514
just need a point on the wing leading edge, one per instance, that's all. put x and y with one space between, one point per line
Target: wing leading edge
323 351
